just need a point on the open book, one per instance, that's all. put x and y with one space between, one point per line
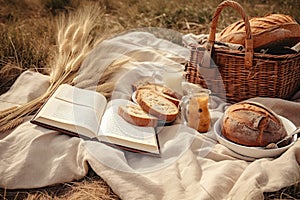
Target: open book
87 114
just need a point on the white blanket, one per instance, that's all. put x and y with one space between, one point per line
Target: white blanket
192 165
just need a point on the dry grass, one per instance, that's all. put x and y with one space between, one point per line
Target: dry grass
90 187
26 26
30 39
74 42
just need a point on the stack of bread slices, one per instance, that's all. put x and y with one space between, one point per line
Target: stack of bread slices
154 103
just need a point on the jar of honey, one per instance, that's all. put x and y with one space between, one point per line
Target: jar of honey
195 111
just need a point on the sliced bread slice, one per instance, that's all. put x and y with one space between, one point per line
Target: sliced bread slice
135 115
142 82
160 88
172 99
155 104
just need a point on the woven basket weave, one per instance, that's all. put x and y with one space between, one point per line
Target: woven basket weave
234 75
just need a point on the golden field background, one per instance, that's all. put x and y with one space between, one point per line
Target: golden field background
28 32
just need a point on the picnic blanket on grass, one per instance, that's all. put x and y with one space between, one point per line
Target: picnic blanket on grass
192 165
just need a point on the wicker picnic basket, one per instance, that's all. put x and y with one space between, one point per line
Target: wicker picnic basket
236 75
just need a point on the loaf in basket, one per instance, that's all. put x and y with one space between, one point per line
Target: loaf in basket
236 75
273 31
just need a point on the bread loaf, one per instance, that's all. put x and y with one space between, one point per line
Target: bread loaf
154 103
271 31
135 115
252 124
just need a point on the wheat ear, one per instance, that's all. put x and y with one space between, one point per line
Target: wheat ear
74 41
7 111
72 29
11 124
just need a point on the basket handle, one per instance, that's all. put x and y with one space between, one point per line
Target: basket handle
248 39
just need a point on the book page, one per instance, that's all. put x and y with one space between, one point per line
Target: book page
113 125
63 112
87 98
73 109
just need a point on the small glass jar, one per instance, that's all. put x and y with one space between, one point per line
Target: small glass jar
194 110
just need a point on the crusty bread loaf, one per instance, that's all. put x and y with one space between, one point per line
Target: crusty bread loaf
271 31
252 124
154 103
135 115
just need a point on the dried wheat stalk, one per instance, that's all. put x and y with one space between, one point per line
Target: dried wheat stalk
7 111
11 124
75 42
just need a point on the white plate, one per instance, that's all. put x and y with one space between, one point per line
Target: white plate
254 152
133 97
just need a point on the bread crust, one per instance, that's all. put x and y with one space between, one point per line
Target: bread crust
269 31
135 115
161 89
252 124
154 103
142 82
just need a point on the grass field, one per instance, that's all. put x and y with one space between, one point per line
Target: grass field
28 32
